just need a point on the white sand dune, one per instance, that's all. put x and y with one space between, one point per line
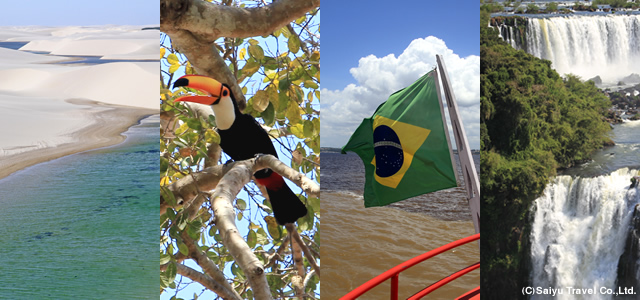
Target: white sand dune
119 41
123 83
51 110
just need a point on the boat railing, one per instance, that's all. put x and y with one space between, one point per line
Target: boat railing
394 273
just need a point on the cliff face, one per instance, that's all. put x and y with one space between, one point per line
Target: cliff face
628 263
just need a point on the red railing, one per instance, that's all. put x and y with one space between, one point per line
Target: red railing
394 272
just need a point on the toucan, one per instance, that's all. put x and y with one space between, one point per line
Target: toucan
241 137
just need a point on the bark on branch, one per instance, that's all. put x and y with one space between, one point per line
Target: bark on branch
212 21
222 204
209 267
307 252
186 188
205 281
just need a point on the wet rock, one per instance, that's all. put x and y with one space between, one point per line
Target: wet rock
628 263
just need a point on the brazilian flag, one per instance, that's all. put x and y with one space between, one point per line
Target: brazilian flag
404 146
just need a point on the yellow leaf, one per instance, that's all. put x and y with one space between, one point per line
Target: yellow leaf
275 231
272 94
173 68
164 181
294 113
297 130
173 59
253 226
212 136
242 53
260 101
162 52
315 56
184 127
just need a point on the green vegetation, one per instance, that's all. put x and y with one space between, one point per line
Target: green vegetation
532 123
552 7
532 8
617 3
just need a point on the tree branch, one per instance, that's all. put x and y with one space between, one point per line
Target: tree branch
186 188
212 21
222 204
269 161
307 253
208 266
206 281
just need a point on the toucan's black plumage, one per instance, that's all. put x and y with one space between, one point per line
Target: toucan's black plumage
241 137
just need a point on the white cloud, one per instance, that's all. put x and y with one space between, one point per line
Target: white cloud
343 110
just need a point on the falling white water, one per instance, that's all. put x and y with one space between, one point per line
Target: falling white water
579 232
588 46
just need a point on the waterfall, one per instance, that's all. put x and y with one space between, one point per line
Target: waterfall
579 231
588 46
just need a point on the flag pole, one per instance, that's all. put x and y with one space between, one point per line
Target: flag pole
469 174
444 123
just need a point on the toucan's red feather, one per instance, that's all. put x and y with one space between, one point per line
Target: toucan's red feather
274 182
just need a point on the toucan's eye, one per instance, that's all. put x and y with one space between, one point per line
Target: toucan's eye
225 92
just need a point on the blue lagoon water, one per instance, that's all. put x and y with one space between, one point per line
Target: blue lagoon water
84 226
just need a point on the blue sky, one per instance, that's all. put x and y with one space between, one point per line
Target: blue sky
80 12
364 42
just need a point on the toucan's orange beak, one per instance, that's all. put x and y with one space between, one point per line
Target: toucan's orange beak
202 83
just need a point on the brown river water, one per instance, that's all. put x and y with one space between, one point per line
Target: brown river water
359 243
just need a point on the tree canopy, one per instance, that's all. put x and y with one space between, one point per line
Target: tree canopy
269 54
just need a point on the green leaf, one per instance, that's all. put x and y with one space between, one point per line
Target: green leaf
164 164
182 248
250 67
262 236
164 258
284 84
256 52
182 221
294 44
241 204
269 115
168 196
310 84
212 231
308 128
170 272
270 63
252 239
314 202
194 124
